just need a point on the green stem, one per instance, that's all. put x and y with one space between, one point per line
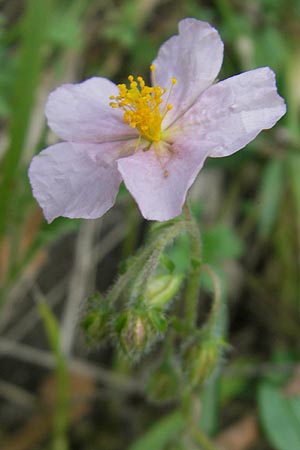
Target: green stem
118 288
159 245
217 296
192 288
145 262
191 410
133 220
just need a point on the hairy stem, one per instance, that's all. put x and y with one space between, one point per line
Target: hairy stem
192 288
217 295
143 264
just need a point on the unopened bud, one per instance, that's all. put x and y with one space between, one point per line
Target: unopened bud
162 289
163 383
201 360
96 321
138 333
135 332
139 328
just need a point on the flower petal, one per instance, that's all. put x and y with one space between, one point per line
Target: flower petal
194 58
81 112
75 180
159 185
232 113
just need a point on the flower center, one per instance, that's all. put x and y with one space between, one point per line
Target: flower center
141 106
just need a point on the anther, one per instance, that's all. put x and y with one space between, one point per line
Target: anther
141 82
133 84
141 105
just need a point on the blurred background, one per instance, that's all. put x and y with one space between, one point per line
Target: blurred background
248 206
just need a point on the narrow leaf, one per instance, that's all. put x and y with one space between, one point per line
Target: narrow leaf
269 196
33 33
280 417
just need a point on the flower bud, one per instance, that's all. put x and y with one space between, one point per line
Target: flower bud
160 290
136 332
163 383
96 321
201 360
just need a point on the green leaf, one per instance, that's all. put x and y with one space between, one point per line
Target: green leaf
269 196
295 406
293 176
280 417
31 58
160 433
210 406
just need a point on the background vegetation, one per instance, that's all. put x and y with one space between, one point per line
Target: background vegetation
55 391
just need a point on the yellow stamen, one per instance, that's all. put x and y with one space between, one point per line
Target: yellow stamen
141 105
152 68
168 106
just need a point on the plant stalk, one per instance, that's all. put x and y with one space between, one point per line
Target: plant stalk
192 288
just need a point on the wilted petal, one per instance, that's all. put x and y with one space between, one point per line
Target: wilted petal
232 113
81 112
159 185
194 58
75 180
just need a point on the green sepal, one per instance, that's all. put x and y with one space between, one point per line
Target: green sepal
96 320
158 320
121 322
167 262
162 289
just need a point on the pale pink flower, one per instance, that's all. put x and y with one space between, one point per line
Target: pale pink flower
155 139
